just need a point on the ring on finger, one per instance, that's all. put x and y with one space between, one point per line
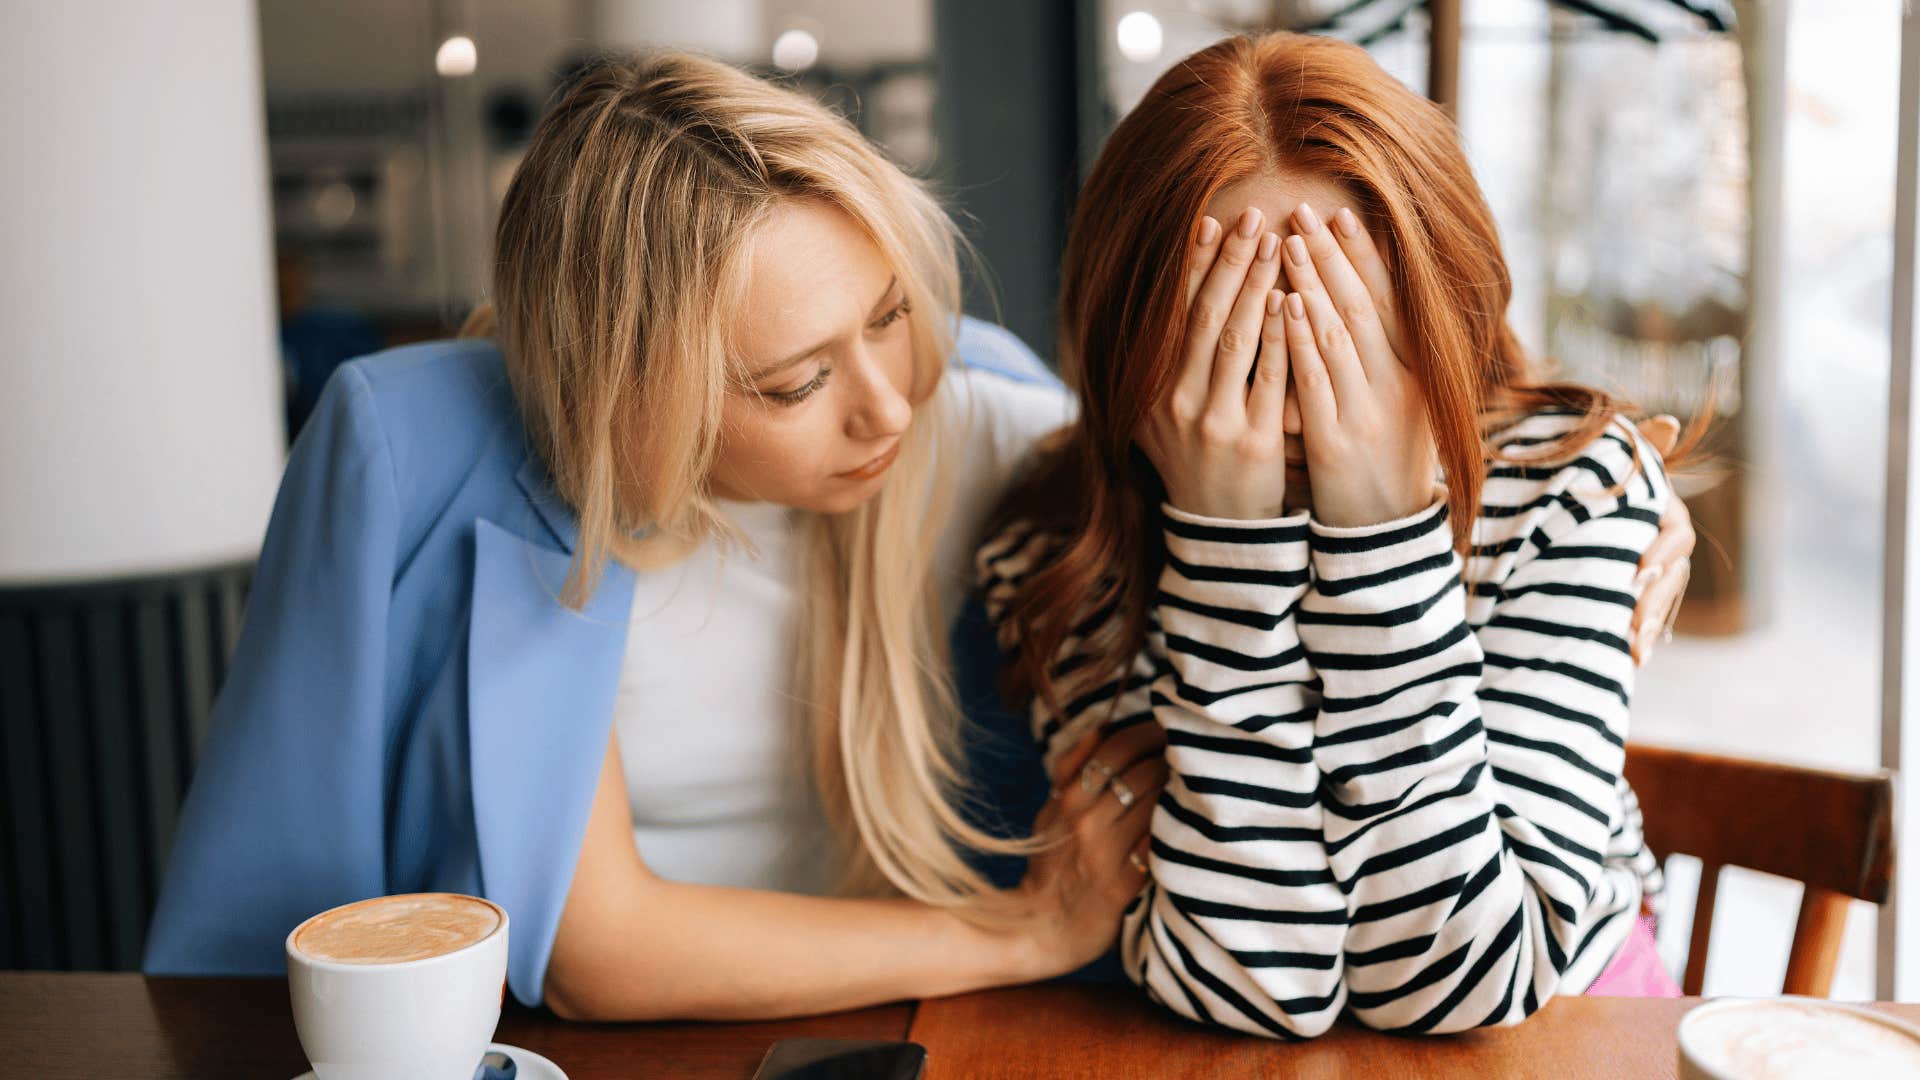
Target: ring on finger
1122 792
1095 775
1134 860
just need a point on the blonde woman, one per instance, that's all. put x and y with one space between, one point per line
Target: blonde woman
629 617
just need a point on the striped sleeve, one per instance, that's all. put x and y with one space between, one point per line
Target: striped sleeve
1473 787
1241 921
1388 792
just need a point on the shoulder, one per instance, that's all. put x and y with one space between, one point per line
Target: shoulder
1540 459
983 346
1546 485
1001 394
435 406
433 390
429 420
998 420
1556 496
993 414
1012 553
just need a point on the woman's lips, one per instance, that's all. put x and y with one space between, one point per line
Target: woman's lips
876 466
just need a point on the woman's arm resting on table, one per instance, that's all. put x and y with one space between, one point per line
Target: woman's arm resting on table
1242 924
633 946
1473 778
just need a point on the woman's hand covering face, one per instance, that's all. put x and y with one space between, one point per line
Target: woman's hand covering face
1368 447
1216 439
1370 452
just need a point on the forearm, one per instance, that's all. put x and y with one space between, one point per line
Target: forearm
1385 626
634 946
699 952
1244 925
1469 881
1410 813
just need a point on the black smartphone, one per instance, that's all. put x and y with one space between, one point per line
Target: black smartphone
843 1059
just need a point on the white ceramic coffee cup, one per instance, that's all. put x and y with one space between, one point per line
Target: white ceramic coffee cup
415 1020
1794 1037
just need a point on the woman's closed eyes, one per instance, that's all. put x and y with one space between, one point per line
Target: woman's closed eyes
807 389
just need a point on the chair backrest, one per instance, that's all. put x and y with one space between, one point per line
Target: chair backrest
1831 831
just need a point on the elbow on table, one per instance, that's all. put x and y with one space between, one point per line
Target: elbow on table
570 1001
1411 1022
598 994
1424 1017
563 1007
589 997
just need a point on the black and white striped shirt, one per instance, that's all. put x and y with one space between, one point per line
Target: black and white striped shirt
1393 789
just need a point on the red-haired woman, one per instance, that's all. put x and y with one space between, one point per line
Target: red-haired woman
1320 529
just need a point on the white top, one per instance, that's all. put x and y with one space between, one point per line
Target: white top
717 766
1394 791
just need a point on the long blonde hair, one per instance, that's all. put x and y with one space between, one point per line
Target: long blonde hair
622 244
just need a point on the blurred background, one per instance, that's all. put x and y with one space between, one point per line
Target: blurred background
205 208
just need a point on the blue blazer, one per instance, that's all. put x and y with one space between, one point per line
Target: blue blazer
410 708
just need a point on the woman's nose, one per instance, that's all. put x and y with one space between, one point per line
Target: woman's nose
1290 416
880 406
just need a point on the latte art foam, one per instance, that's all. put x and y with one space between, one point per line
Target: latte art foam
1787 1040
396 929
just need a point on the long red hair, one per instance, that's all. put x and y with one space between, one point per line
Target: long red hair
1246 107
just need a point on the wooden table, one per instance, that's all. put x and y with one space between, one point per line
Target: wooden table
1112 1033
58 1026
61 1026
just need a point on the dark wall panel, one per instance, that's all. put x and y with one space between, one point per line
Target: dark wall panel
1012 76
105 694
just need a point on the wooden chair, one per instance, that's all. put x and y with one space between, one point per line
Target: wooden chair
1831 831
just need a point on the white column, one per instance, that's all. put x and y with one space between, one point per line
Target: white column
729 29
1763 39
140 402
1899 947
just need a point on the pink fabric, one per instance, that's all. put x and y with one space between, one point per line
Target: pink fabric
1636 970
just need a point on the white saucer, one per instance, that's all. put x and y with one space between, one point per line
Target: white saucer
531 1065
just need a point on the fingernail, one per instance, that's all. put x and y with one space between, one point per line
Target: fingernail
1296 307
1297 250
1267 245
1274 300
1309 221
1647 576
1348 224
1209 231
1249 222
